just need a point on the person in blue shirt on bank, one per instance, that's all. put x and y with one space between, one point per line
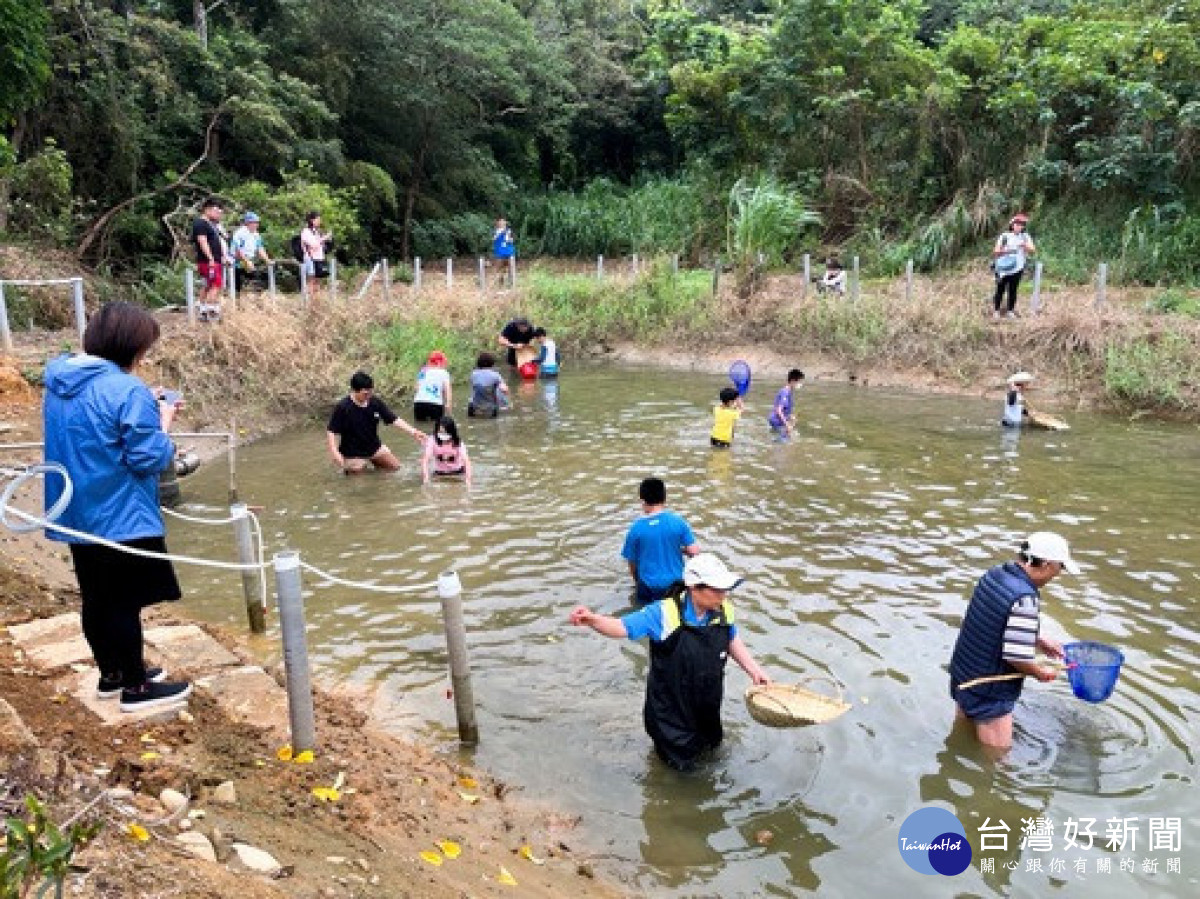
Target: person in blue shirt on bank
656 544
1000 635
504 249
692 634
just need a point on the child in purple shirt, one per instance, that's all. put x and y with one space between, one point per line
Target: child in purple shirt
782 418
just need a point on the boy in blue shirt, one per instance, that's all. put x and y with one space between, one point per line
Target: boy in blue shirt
782 418
692 634
656 544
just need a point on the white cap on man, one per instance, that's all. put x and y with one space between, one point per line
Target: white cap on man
707 570
1050 547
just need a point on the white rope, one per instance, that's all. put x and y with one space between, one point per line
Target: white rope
190 518
362 585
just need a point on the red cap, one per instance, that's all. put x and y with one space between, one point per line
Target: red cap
437 357
1019 217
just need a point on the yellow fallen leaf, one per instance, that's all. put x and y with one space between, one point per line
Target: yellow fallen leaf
468 783
304 758
150 756
527 853
259 763
59 698
147 738
506 878
139 833
326 794
450 848
284 754
468 797
432 857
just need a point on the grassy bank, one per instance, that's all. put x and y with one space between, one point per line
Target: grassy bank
275 363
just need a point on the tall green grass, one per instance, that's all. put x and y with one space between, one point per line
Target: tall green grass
1157 372
588 309
404 346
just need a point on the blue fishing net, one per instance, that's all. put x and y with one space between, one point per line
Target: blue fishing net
739 374
1094 669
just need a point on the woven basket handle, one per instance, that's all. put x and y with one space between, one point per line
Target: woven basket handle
811 678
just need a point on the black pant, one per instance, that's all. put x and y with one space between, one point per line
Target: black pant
1009 283
423 411
114 633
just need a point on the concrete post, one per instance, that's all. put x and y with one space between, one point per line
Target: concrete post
5 331
807 276
908 282
303 284
512 272
449 272
482 275
301 716
635 265
674 264
1101 285
271 281
244 540
450 593
333 279
387 282
416 273
1035 304
80 311
231 286
855 291
599 268
189 292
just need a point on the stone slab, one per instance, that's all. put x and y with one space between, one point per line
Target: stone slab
14 734
82 686
249 695
52 642
188 646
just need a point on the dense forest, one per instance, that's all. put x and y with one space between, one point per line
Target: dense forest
896 129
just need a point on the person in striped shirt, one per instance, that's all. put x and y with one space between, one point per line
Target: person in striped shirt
1000 635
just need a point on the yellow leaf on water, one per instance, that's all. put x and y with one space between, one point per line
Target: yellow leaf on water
139 833
468 797
284 754
527 853
468 783
450 848
506 878
150 756
432 857
304 758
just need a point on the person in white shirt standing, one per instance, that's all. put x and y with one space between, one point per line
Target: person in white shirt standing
1009 256
247 247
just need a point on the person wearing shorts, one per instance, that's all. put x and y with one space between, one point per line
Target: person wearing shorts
432 398
353 431
210 257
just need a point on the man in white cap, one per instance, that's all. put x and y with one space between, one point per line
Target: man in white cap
1014 400
1000 635
691 635
247 246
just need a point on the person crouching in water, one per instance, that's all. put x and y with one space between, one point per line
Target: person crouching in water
692 633
445 453
1000 634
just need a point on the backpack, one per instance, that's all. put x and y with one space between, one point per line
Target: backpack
297 246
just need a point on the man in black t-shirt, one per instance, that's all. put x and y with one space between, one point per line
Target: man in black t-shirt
352 433
517 333
210 256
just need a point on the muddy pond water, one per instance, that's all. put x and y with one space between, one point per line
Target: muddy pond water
860 542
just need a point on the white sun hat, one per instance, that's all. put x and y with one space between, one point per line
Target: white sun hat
1050 547
1021 377
709 571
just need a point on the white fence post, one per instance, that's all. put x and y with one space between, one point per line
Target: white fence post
512 272
482 275
387 282
271 280
908 282
290 597
80 310
807 276
416 273
333 279
189 293
449 272
600 268
1035 304
635 265
5 331
1101 285
231 270
855 292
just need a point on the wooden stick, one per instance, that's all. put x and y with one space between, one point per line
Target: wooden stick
994 678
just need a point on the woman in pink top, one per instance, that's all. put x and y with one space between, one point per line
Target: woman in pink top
445 453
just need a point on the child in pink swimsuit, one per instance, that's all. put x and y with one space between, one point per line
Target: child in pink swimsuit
445 453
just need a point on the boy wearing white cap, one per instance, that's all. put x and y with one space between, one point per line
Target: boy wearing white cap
1014 400
691 633
1000 634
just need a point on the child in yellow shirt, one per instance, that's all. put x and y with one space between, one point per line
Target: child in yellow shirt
725 416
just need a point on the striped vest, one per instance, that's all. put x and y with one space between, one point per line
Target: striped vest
979 650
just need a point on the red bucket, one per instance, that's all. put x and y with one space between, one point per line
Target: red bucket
528 371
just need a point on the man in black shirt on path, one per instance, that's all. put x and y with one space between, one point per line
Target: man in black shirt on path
353 428
210 257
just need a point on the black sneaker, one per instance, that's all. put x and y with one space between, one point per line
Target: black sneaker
110 689
152 695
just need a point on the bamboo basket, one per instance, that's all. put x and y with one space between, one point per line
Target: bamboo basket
1047 422
791 705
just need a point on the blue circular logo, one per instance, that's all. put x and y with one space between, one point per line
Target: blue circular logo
933 841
